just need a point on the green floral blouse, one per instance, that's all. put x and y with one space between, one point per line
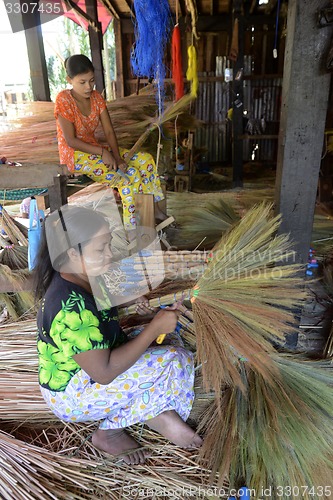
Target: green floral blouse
69 323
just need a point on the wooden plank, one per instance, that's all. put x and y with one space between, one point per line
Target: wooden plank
58 192
144 206
30 176
305 94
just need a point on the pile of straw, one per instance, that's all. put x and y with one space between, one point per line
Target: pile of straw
35 139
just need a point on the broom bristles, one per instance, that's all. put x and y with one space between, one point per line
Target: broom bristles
278 433
242 304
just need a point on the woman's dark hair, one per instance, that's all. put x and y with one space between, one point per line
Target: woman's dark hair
78 65
68 227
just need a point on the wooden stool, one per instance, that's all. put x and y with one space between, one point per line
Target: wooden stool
182 183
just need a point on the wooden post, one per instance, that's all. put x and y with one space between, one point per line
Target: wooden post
36 55
237 99
120 85
304 105
57 192
96 45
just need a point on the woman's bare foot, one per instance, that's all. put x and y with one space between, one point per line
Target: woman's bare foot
170 425
120 444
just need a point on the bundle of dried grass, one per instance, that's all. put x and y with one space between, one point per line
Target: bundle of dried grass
11 229
207 224
15 257
278 433
321 238
133 117
180 205
18 303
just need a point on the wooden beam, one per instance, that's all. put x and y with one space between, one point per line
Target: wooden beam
305 92
111 8
96 45
130 5
120 81
36 54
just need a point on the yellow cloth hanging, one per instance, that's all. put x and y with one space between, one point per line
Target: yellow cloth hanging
192 73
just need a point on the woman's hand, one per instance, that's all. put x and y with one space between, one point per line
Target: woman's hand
143 308
109 160
165 321
122 166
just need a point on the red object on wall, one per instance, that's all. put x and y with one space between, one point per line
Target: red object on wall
177 69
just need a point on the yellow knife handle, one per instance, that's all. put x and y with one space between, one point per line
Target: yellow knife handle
160 338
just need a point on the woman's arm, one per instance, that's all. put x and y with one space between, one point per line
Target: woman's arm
111 138
104 365
68 130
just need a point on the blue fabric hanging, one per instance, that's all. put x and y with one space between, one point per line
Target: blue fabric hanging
152 31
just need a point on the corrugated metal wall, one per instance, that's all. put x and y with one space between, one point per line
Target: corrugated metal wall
261 100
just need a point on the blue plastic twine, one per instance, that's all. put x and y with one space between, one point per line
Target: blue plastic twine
152 31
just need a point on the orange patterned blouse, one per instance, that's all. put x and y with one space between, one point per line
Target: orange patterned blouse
85 126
